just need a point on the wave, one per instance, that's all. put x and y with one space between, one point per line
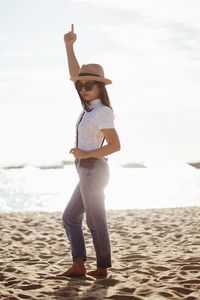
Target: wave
133 165
195 164
59 165
62 164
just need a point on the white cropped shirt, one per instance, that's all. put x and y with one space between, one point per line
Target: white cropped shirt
90 136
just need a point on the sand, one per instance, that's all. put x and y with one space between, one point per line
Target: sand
156 255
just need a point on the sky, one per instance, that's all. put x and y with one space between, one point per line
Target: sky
149 48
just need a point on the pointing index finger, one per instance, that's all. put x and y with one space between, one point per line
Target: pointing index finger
72 28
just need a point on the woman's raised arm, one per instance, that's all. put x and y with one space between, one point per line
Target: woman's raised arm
73 64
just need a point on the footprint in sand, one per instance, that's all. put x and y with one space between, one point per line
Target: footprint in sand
25 296
30 287
181 290
191 268
160 268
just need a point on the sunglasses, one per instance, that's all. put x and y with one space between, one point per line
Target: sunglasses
87 86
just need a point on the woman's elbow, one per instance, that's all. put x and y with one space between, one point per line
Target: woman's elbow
117 146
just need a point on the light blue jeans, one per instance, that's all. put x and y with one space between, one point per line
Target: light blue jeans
88 197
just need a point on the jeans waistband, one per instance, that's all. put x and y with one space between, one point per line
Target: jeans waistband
91 158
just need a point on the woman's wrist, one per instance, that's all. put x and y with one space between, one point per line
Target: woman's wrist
88 154
69 47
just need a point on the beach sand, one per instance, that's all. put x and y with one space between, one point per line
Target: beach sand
155 253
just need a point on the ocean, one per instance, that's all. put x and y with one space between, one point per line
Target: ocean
157 185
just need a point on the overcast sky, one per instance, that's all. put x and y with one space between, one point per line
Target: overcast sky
151 51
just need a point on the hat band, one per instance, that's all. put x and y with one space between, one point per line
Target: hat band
89 74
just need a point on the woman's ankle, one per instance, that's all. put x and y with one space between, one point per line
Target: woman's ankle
79 262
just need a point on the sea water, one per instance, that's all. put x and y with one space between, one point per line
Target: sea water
159 185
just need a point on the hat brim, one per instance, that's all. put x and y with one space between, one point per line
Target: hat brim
89 77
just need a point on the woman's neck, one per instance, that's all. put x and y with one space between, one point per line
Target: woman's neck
92 104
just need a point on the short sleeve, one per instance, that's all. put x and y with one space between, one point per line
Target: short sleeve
105 118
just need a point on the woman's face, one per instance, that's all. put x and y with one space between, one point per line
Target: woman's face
89 95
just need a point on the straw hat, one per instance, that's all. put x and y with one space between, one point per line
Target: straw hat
91 72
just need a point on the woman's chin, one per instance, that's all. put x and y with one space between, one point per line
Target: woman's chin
88 99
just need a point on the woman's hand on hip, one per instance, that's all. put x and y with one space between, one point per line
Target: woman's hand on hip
78 153
70 37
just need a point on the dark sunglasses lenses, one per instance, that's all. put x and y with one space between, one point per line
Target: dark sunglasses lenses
87 86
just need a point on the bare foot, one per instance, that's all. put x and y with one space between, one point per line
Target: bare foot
99 272
77 269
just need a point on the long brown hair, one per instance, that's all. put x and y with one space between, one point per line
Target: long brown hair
103 95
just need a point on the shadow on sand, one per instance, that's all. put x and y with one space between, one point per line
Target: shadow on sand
86 288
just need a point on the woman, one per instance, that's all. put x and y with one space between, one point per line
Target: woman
94 125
